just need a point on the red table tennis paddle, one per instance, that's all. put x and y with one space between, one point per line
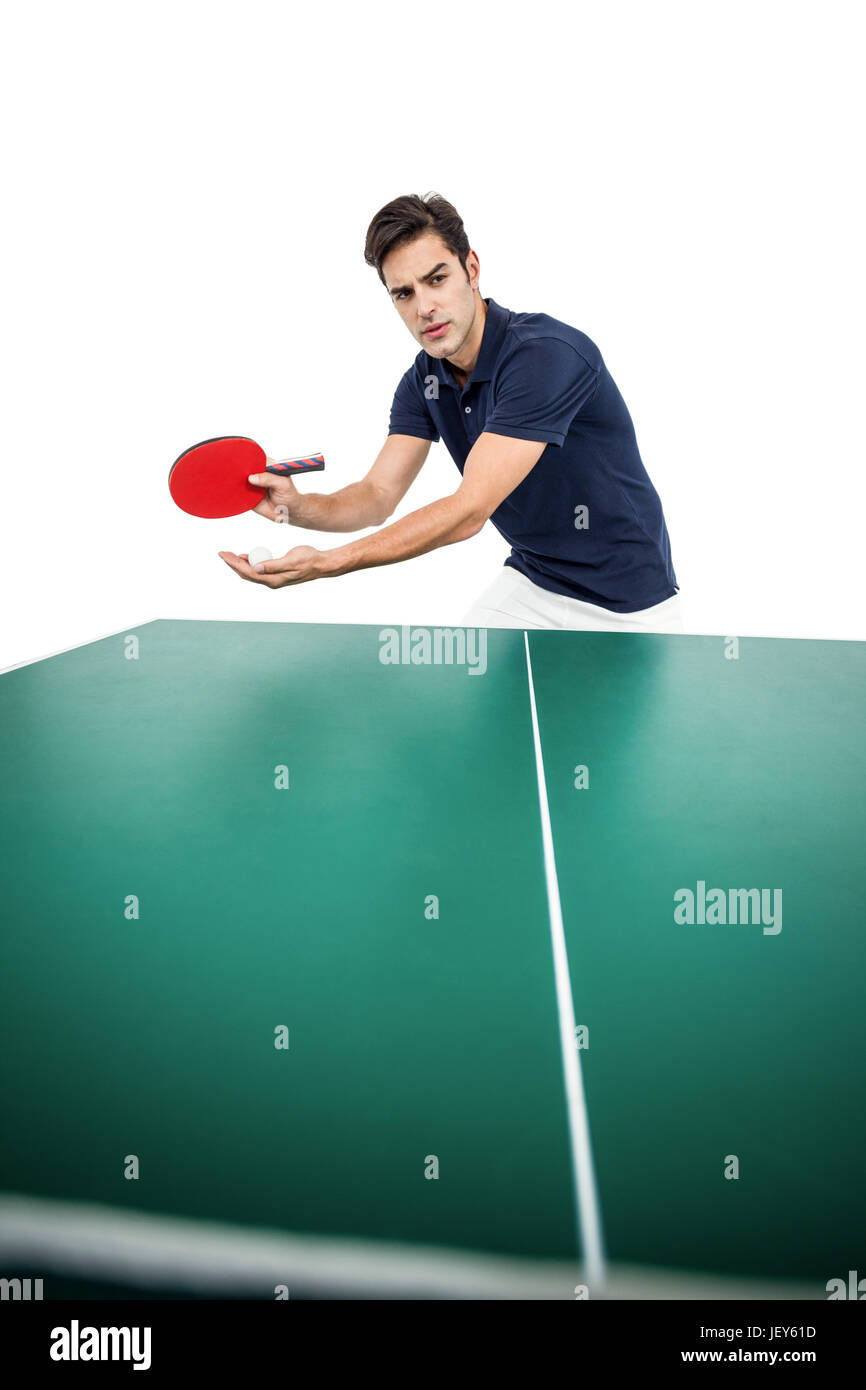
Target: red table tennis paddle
210 479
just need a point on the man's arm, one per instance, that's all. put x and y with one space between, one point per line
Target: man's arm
366 503
496 465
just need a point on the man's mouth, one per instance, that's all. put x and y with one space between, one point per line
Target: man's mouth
435 331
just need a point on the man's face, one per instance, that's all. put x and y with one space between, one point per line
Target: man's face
428 285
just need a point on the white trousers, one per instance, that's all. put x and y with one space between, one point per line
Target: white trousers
512 600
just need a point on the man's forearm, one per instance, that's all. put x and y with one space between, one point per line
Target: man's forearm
440 523
350 509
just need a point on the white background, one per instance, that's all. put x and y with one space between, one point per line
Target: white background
187 188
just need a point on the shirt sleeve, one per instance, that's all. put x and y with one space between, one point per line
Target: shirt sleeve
540 389
409 411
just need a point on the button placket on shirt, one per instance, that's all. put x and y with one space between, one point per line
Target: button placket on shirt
471 433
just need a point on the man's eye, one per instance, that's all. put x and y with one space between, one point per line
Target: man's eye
441 276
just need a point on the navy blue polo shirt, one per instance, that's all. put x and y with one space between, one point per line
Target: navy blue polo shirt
586 521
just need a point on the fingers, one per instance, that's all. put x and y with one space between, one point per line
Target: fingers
280 495
278 512
241 565
293 568
274 482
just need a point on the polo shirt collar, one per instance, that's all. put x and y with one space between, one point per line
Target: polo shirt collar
491 342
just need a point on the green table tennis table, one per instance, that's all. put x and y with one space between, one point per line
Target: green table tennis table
362 962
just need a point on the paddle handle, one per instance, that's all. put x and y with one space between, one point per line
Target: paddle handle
303 463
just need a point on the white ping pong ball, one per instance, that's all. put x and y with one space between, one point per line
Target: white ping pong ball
259 554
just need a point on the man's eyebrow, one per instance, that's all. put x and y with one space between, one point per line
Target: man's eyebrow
441 266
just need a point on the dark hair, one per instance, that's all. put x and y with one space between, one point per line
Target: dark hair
407 218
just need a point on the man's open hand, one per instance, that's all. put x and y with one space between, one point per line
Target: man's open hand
295 567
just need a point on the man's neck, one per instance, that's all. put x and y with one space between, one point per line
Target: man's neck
462 374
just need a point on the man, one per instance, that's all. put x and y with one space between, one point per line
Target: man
542 437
